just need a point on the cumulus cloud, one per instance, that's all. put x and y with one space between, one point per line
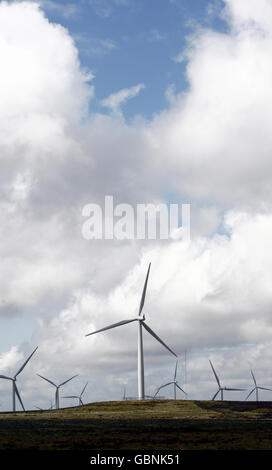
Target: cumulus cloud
217 137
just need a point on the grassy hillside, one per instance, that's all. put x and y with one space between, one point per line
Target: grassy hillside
149 425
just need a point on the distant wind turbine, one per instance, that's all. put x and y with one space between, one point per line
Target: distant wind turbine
42 409
221 389
141 323
15 391
79 397
256 388
57 388
174 382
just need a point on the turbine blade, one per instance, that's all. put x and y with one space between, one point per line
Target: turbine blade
120 323
157 338
215 374
25 363
72 396
18 395
253 378
177 385
175 376
5 377
253 390
262 388
63 383
213 398
144 291
80 400
83 390
47 380
234 389
162 386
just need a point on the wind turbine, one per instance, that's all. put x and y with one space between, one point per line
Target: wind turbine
141 323
174 382
256 388
57 387
15 391
79 397
42 409
221 389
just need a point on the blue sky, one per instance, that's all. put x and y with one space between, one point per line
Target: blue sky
127 42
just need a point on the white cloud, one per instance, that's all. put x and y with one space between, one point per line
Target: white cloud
93 46
115 100
244 16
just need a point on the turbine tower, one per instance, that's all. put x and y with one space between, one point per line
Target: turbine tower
221 389
79 397
57 388
15 391
174 382
141 323
256 388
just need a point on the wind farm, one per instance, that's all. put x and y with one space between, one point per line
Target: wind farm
135 225
145 412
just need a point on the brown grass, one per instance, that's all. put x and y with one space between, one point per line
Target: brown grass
149 425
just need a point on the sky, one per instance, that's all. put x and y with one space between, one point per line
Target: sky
148 101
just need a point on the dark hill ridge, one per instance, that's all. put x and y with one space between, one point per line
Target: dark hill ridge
149 425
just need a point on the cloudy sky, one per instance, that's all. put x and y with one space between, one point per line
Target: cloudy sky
147 101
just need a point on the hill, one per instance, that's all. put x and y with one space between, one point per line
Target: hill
148 425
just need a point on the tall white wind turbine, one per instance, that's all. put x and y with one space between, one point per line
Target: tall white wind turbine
57 388
174 382
221 389
256 388
141 323
79 397
15 391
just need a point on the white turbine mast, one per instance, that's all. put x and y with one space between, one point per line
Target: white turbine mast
221 389
256 388
141 323
174 382
15 391
57 388
79 397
